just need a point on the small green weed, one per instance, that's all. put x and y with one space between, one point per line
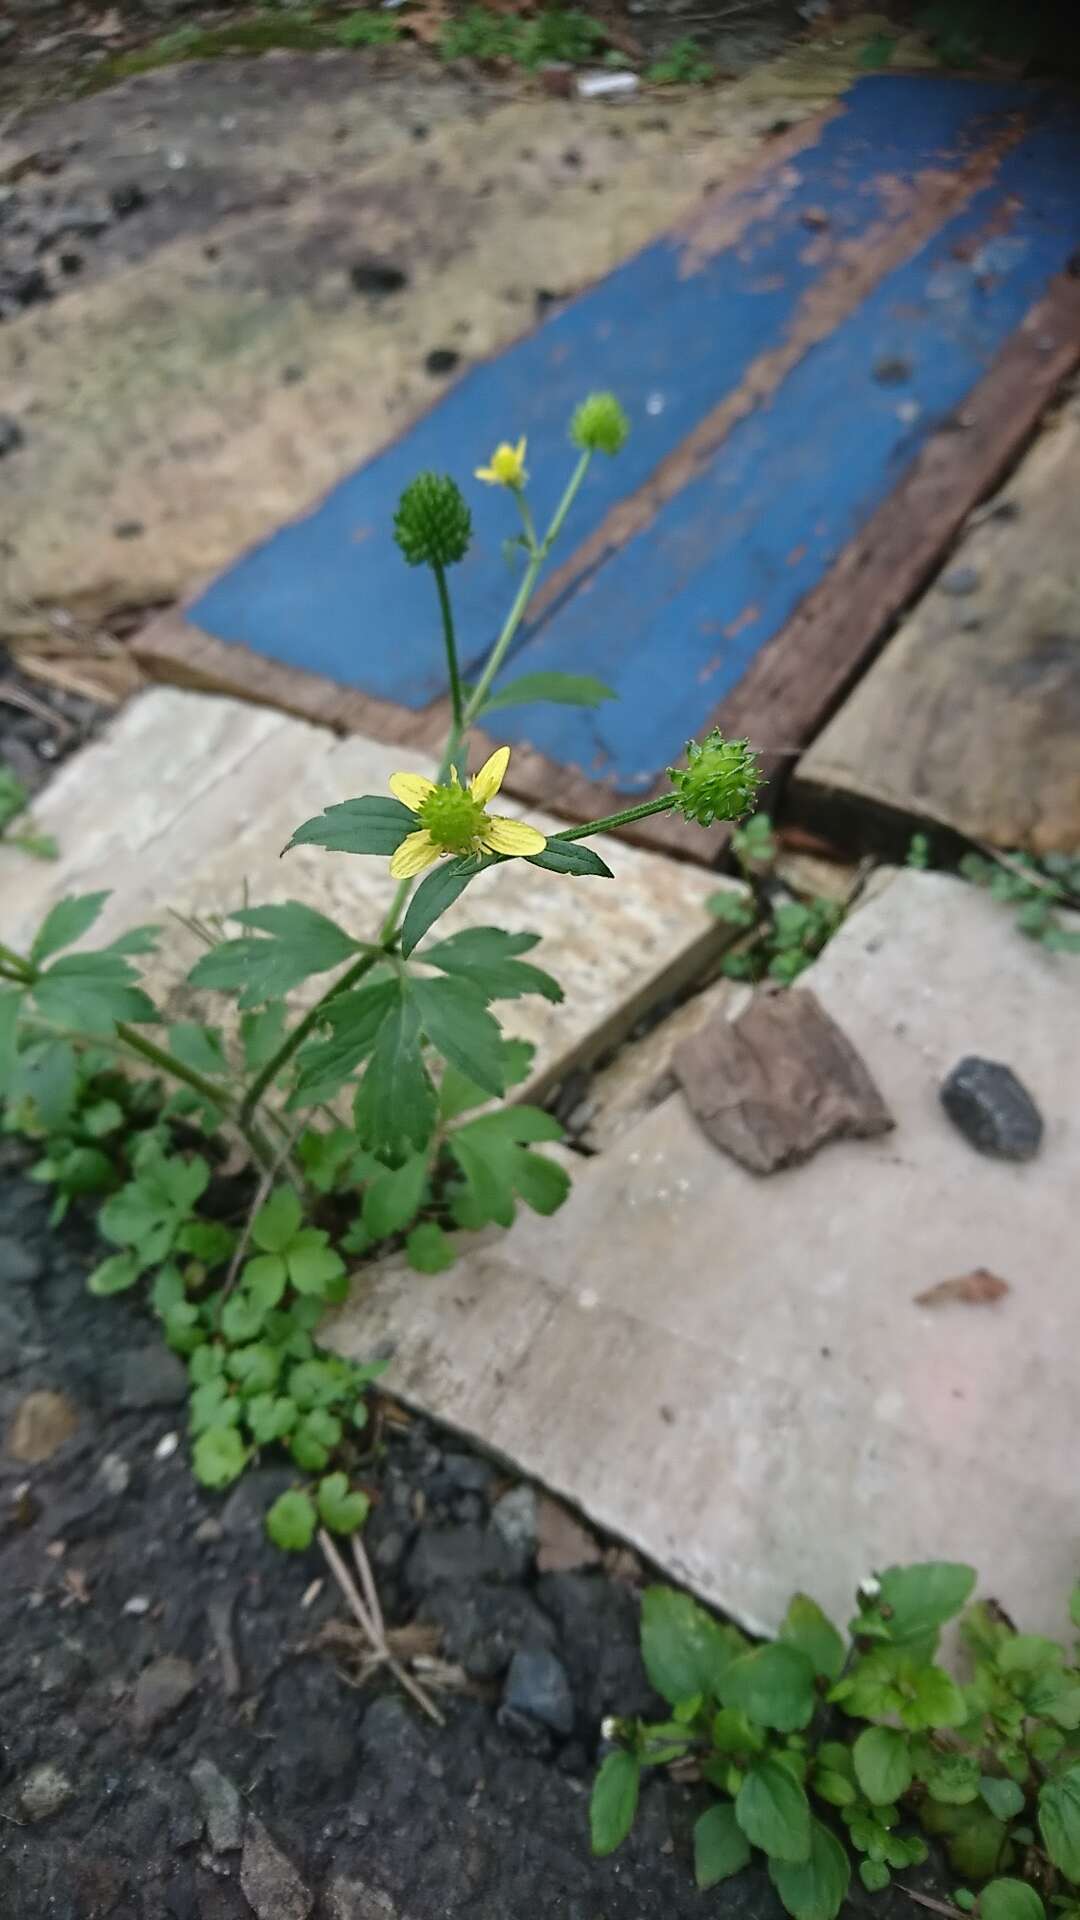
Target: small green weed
13 801
365 29
682 65
1036 888
783 935
812 1732
555 35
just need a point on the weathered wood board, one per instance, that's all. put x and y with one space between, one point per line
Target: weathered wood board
867 277
971 716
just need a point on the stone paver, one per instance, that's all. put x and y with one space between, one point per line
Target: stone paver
187 801
733 1373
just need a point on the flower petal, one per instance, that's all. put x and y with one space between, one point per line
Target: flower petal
411 789
417 851
489 475
485 784
519 451
512 837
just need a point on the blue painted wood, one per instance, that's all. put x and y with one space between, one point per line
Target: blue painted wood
673 620
331 594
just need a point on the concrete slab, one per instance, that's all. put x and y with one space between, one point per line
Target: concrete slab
187 800
734 1374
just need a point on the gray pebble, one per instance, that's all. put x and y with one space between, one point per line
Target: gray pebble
537 1685
992 1109
960 581
43 1792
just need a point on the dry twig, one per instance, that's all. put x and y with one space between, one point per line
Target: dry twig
371 1621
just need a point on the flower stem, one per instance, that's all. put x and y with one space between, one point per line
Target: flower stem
18 968
521 599
663 805
450 641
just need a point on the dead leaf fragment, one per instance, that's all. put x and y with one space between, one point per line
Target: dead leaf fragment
979 1288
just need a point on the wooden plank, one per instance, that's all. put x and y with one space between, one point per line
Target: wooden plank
971 717
677 328
677 618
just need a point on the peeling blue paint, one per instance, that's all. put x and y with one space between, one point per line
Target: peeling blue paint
673 619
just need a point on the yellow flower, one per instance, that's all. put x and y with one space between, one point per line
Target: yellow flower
454 819
507 467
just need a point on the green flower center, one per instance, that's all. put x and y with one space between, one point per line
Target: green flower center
453 818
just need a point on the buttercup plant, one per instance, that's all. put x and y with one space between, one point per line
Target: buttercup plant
367 1119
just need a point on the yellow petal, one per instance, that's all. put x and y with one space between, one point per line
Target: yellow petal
519 451
488 474
417 851
512 837
411 789
485 784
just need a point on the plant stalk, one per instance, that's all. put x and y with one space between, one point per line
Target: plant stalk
663 805
451 643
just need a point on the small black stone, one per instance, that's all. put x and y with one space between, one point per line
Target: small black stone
127 198
70 262
128 529
377 276
537 1685
992 1109
442 360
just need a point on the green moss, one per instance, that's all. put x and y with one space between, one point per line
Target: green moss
300 31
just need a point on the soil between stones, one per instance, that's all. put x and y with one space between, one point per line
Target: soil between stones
135 1784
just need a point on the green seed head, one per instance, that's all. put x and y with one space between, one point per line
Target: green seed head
719 781
453 818
432 524
599 425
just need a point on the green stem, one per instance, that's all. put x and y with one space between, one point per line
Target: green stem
522 597
663 805
451 643
20 969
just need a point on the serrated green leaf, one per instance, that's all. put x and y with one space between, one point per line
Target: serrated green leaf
393 1200
92 991
373 823
882 1762
773 1812
136 940
255 1368
211 1406
201 1048
313 1265
834 1788
290 943
937 1701
48 1074
291 1522
915 1602
572 857
429 1249
168 1289
773 1686
805 1626
684 1649
1010 1900
218 1457
455 1018
102 1118
339 1509
720 1846
277 1221
208 1241
270 1419
1059 1821
65 923
355 1019
241 1317
436 893
115 1274
566 689
486 958
814 1889
952 1778
264 1279
395 1102
614 1802
314 1438
261 1034
540 1182
973 1837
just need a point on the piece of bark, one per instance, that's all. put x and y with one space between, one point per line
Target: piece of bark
775 1085
979 1288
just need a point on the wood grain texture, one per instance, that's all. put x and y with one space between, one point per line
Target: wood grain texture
971 717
